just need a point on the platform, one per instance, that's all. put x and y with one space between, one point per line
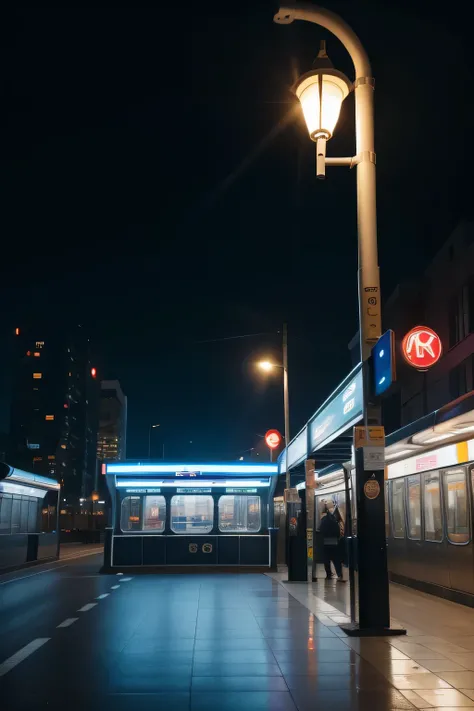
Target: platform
73 639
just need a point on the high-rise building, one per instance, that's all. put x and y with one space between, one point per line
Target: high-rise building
112 436
54 408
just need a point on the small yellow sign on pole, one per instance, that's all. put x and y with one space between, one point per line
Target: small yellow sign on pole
369 436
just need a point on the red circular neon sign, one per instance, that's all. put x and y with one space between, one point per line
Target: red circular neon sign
422 347
272 439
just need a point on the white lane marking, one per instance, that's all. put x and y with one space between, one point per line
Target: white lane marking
101 597
115 587
25 577
87 607
125 580
118 573
22 654
68 622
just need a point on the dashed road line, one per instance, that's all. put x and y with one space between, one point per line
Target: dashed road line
68 622
88 607
125 580
115 587
22 654
101 597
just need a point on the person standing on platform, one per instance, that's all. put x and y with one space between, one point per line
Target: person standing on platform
331 533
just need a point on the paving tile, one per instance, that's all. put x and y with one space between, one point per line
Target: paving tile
238 683
236 701
149 684
458 679
225 643
247 656
417 650
141 646
351 700
441 698
465 660
389 667
417 681
232 669
145 702
440 665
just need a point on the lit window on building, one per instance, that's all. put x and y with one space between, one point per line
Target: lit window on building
39 344
49 417
37 459
36 354
17 331
37 376
51 456
63 446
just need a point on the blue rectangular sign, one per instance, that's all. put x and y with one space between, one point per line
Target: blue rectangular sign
383 356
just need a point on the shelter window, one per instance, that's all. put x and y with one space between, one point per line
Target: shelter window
154 517
192 513
130 514
239 514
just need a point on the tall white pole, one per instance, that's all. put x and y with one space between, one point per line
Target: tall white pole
286 400
370 318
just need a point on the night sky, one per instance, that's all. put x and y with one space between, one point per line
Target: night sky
157 187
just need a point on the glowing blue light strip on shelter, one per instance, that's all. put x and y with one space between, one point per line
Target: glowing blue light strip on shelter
202 484
267 469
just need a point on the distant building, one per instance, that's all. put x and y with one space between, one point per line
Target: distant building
54 408
112 435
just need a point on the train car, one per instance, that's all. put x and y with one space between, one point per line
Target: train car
167 514
29 530
429 495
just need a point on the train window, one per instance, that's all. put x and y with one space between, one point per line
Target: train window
239 514
24 515
16 503
432 507
192 513
398 507
5 513
130 519
155 514
414 507
456 506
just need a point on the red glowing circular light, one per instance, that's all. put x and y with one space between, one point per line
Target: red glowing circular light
93 372
422 347
272 439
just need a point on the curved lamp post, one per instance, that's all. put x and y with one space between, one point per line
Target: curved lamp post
321 93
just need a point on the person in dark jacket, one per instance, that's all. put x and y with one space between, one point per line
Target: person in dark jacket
331 533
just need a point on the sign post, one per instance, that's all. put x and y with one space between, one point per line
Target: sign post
374 608
273 441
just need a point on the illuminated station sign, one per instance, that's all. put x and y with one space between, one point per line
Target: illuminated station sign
422 347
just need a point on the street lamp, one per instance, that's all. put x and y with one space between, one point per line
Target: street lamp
152 427
321 92
268 366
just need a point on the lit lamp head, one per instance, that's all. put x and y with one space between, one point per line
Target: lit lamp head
265 365
321 93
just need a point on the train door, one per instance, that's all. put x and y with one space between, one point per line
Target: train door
457 511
